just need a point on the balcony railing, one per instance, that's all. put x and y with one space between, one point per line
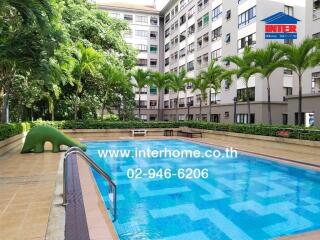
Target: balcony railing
181 104
316 14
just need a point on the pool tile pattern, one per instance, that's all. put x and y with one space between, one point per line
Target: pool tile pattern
244 198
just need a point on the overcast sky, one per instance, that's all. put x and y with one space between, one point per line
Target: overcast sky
160 3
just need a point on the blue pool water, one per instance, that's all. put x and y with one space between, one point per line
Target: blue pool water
243 198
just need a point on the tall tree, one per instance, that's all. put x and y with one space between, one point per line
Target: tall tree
267 60
160 80
86 61
141 79
201 84
299 58
245 69
177 84
213 77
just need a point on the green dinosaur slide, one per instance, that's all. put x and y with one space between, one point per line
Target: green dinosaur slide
38 135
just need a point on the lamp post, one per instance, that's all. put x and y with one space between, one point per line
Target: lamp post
235 99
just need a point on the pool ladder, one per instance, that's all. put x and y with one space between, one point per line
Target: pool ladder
112 188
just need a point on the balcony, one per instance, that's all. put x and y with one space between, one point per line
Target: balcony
316 14
181 105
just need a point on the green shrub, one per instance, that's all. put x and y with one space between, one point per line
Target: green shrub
313 134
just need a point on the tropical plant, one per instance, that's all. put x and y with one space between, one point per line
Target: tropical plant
267 60
177 84
245 69
299 58
213 77
141 79
160 80
201 84
86 61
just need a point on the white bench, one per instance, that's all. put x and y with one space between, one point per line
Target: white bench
141 132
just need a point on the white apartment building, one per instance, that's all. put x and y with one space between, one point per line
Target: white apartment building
144 36
194 32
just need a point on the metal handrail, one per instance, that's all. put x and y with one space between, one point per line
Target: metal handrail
112 186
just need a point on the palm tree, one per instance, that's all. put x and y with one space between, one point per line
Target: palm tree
30 9
201 84
245 69
213 77
299 58
142 78
177 84
160 80
86 61
267 61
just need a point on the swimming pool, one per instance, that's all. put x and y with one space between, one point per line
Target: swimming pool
243 198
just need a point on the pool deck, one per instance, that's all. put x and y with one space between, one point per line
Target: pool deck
28 183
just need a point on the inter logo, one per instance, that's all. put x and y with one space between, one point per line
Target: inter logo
281 26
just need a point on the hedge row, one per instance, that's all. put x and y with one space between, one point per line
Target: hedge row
9 130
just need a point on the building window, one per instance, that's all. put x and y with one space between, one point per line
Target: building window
199 43
200 24
191 12
191 29
153 48
167 32
288 91
228 15
182 67
183 36
141 33
153 62
182 53
247 41
216 12
216 33
215 118
153 90
226 114
167 47
205 19
243 118
315 82
285 119
128 17
287 72
153 35
191 47
167 18
142 62
199 61
166 104
242 94
216 54
166 62
316 35
154 21
183 19
288 41
142 47
190 66
141 19
247 17
115 15
228 38
288 10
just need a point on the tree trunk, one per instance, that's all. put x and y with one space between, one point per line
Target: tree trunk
102 110
158 104
52 115
5 105
209 119
177 106
139 102
248 103
75 117
200 109
300 102
269 102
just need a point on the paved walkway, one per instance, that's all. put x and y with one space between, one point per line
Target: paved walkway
27 184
